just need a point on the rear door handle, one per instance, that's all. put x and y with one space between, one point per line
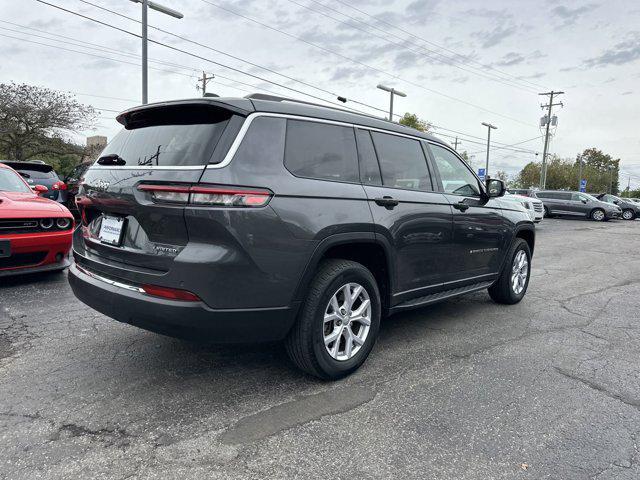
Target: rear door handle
463 207
387 202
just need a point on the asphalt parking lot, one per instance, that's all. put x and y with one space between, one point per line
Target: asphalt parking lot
467 389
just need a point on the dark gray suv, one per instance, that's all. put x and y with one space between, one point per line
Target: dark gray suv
577 204
260 219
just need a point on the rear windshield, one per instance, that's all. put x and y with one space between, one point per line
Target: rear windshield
11 182
176 137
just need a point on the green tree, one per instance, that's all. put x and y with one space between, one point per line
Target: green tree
600 170
560 174
413 121
36 122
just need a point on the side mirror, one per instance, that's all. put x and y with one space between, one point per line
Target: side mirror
616 202
584 200
40 189
495 188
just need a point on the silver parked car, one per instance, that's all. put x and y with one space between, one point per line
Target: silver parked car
577 204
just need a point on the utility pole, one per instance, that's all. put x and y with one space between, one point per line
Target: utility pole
489 128
392 92
203 82
455 144
161 9
611 179
629 187
579 172
543 170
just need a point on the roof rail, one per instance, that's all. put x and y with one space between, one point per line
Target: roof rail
275 98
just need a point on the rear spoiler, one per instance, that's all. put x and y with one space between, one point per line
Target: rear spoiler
169 112
36 167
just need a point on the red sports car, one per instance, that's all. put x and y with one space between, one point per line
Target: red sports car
35 232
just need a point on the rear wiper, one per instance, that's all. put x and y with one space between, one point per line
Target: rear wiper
113 159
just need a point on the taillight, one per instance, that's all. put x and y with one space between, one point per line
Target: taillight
212 196
59 185
170 293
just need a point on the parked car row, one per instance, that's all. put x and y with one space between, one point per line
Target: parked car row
598 207
35 231
63 191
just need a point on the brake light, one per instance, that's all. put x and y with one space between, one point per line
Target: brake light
59 185
214 196
170 293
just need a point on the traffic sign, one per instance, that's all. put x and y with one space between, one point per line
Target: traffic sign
583 185
482 172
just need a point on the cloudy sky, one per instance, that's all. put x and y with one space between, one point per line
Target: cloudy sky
461 63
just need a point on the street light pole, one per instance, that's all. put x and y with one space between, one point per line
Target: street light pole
159 8
489 128
392 92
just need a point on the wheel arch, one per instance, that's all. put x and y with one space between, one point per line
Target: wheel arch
364 248
528 234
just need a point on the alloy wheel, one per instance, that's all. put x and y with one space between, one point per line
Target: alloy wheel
347 321
627 215
598 215
519 272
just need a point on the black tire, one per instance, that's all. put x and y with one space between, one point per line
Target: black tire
598 215
305 343
547 213
502 291
631 215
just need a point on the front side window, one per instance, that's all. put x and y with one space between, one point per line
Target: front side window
402 162
455 175
322 151
11 182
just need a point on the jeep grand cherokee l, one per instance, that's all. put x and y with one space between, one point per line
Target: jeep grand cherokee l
261 218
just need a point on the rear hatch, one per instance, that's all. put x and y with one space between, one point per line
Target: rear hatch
167 145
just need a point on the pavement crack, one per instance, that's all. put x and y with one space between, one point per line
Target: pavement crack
632 402
110 436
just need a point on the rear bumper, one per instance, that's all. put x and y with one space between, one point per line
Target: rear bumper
191 320
42 252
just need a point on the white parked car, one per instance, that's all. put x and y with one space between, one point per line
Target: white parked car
534 206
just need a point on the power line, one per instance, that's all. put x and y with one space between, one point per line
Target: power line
207 60
435 44
363 64
240 59
171 47
255 87
512 145
444 59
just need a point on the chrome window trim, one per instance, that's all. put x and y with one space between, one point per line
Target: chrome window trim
146 167
245 126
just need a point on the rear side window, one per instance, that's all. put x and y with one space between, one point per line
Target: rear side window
369 168
456 177
402 162
176 136
322 151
